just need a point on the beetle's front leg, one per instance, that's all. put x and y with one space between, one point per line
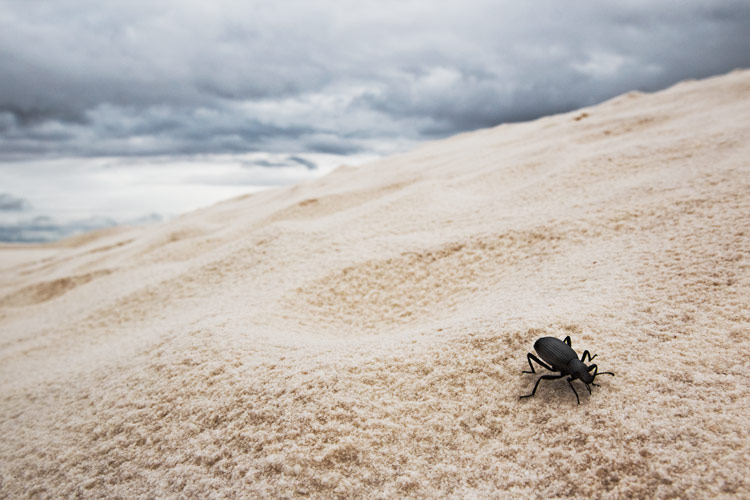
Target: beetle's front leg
530 356
587 353
570 383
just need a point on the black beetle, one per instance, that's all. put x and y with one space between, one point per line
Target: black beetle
563 359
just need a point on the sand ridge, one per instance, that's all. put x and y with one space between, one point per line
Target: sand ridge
363 335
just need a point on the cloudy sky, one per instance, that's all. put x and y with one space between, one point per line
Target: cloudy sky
177 104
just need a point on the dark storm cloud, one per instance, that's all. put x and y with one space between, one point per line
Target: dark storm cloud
90 78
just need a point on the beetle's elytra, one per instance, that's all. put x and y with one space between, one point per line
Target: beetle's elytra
562 358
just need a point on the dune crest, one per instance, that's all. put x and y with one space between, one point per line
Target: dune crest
363 335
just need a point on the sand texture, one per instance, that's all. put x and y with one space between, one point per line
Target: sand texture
363 335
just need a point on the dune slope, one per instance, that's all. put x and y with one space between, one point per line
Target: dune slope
363 335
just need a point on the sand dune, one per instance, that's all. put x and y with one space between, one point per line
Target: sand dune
363 335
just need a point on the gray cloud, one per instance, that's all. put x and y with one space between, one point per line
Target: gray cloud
10 203
286 162
44 228
309 164
138 78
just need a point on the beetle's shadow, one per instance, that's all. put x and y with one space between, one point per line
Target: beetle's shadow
553 391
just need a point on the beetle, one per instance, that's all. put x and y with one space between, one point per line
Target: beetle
563 359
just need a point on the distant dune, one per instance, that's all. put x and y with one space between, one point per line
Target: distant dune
363 335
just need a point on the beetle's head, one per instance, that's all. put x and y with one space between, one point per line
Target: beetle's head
580 371
585 376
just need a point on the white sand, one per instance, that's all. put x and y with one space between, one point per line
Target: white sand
363 335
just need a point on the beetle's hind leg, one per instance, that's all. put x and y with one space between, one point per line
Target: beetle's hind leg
530 356
567 341
544 377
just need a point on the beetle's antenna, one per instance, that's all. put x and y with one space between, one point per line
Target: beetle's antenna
603 373
597 372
